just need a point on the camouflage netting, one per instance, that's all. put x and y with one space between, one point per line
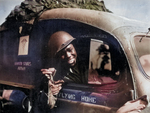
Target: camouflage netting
31 9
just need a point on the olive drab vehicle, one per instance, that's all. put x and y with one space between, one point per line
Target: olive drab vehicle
123 68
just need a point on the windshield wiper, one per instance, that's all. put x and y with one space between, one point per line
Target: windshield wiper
145 35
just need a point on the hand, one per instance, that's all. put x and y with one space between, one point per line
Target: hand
55 86
53 89
134 106
48 72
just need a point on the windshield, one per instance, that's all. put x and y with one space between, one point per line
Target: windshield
143 52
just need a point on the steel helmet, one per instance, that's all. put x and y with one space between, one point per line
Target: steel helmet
58 41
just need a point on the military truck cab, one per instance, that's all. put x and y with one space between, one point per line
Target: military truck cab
114 49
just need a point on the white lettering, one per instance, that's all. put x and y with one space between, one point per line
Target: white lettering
88 99
22 63
18 63
71 96
21 68
67 96
27 63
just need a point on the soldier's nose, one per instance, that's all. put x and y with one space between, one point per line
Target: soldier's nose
68 54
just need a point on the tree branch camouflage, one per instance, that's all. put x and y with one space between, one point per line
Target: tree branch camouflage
29 10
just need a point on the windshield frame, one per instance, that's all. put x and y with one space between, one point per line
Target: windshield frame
136 53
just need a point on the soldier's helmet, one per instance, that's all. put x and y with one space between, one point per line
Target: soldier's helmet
58 41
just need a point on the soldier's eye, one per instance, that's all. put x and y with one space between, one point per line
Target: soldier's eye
69 49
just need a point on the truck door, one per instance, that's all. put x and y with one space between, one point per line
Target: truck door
109 82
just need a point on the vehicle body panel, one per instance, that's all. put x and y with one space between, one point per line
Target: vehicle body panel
84 25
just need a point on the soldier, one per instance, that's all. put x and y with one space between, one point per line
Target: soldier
62 48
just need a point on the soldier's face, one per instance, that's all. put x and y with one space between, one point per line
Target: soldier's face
69 55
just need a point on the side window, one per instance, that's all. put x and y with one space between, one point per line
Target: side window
100 73
100 66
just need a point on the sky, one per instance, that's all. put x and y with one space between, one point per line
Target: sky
5 8
132 9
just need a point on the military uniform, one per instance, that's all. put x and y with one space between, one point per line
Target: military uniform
77 73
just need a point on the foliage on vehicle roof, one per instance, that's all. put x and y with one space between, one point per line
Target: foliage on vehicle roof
29 10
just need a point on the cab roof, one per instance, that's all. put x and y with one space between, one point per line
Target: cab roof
106 21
